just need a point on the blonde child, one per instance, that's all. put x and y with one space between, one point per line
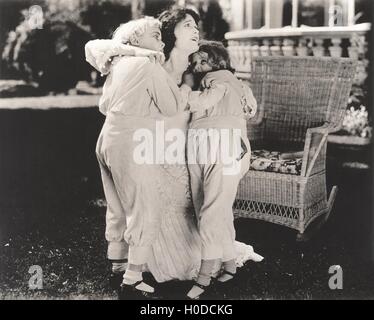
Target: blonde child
134 95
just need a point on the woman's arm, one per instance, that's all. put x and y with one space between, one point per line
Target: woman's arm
99 53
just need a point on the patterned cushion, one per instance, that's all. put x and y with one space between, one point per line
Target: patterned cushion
263 160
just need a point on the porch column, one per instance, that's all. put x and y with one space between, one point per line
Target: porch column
267 14
237 11
295 11
351 12
249 14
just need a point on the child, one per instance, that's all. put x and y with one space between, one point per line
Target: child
134 95
224 104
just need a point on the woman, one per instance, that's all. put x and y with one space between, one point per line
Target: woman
177 252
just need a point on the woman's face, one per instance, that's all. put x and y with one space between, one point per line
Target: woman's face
187 34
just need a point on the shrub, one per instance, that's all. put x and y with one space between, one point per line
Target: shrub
53 56
356 122
104 16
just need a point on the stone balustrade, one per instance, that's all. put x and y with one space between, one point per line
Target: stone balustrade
348 41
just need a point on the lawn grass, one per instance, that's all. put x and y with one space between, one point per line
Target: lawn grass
52 215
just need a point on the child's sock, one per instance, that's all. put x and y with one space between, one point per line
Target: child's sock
228 266
119 267
131 277
217 269
205 273
203 279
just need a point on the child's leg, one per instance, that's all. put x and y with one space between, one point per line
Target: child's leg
115 217
119 266
229 271
204 278
216 220
228 247
210 223
196 183
229 255
208 266
195 171
134 276
135 188
139 193
213 214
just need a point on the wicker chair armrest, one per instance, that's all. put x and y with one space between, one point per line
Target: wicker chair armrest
331 128
314 156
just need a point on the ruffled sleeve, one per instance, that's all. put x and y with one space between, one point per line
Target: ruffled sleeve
100 52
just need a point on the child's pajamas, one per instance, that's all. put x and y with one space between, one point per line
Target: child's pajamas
136 93
222 106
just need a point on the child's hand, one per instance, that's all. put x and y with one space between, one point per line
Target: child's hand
99 54
188 79
249 102
154 56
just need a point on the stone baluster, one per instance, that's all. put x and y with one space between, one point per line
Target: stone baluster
233 51
265 48
255 49
357 50
288 47
363 46
247 55
318 49
275 49
237 54
335 49
241 55
302 48
353 48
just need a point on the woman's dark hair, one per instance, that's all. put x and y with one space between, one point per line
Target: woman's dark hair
169 19
218 55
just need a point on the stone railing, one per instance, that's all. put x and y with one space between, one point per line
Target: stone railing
350 41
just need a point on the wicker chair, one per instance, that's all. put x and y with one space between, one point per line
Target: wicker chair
300 101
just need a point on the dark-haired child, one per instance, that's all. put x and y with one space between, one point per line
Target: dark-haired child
217 133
